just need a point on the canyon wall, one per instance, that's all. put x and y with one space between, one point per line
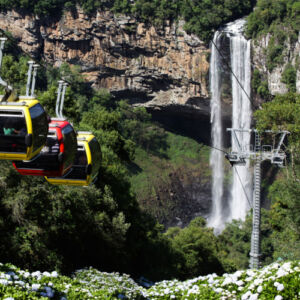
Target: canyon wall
149 66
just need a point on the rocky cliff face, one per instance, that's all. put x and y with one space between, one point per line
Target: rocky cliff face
291 55
149 66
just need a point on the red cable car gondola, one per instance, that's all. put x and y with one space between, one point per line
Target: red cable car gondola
57 156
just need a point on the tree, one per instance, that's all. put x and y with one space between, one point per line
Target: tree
198 246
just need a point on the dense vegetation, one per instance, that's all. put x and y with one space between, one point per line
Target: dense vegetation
280 224
46 227
280 19
277 281
202 17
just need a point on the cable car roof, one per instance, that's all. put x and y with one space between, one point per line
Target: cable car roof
21 102
84 136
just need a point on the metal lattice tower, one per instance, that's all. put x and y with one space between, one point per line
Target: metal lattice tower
255 237
258 154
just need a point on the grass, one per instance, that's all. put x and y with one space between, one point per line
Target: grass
153 174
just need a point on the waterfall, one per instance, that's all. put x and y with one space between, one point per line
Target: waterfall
241 187
216 219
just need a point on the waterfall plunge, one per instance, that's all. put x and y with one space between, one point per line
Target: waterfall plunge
241 118
216 219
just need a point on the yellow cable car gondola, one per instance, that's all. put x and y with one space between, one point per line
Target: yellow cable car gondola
23 121
23 129
86 165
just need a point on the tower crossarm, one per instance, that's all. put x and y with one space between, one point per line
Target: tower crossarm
266 152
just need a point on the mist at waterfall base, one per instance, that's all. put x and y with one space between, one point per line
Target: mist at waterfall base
238 202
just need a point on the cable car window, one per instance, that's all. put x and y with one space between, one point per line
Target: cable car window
12 132
70 144
48 158
79 167
96 155
39 125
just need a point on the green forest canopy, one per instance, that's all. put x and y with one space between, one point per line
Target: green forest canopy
202 17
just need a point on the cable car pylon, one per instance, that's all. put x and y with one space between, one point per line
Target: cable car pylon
258 153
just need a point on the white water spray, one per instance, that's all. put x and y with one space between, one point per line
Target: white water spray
240 194
216 219
241 188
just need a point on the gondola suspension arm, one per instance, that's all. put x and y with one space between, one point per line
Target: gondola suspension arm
62 85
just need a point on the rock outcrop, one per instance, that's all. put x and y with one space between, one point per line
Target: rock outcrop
291 55
149 66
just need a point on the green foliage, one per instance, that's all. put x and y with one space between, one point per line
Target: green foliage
274 54
43 226
276 281
198 246
161 177
288 77
281 114
259 85
280 19
235 243
202 17
285 218
273 12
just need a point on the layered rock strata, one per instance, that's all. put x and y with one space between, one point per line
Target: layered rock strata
149 66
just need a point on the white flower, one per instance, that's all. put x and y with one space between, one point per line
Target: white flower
35 286
47 274
54 274
227 280
281 273
280 287
9 298
278 297
238 274
3 282
240 283
258 281
26 274
254 297
246 295
259 289
287 266
172 297
250 273
20 282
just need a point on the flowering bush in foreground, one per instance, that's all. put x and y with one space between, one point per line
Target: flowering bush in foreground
276 281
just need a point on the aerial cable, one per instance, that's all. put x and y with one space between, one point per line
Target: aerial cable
235 169
226 153
225 61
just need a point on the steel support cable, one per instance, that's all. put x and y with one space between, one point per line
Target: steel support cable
244 190
243 187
